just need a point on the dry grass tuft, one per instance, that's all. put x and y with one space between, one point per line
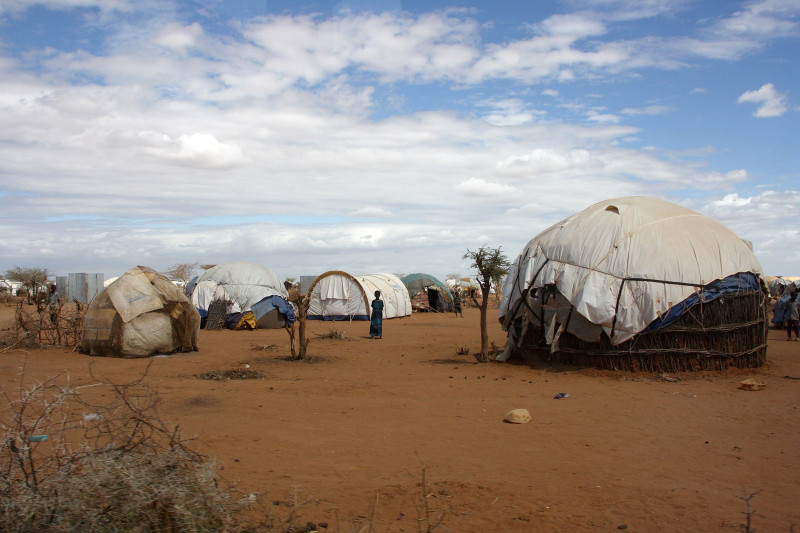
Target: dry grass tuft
335 334
230 374
258 347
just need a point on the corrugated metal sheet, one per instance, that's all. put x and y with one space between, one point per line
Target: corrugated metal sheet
79 286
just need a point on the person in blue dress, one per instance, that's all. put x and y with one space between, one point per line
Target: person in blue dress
376 321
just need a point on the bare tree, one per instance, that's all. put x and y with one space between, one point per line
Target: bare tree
32 278
182 271
301 301
491 265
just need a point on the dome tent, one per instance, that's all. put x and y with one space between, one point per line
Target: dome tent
637 282
140 314
337 295
245 287
427 292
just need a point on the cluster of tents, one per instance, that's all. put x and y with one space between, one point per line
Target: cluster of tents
781 289
142 312
631 283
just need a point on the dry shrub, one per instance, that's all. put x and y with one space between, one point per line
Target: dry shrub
68 465
336 334
230 373
38 327
259 347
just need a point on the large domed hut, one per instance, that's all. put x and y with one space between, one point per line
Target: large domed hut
637 283
242 295
140 314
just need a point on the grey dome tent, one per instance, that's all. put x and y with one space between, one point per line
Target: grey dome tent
637 283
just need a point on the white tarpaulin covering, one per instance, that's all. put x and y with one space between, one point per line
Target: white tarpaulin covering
642 240
338 295
245 284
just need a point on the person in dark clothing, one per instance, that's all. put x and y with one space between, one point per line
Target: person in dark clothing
52 303
457 303
376 320
792 318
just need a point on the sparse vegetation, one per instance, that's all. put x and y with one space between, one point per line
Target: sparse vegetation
491 265
336 334
230 374
182 271
67 464
300 301
32 279
35 328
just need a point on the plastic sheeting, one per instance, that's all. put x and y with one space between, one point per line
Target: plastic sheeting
242 283
419 281
623 263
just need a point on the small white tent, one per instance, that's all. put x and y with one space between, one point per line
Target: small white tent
248 287
337 295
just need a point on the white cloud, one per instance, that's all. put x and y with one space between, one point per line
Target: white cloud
371 212
771 103
606 118
18 6
287 127
178 37
484 189
648 110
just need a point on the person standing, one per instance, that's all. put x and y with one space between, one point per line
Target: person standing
792 318
376 320
457 303
52 303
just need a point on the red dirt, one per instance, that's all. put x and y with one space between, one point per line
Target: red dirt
349 432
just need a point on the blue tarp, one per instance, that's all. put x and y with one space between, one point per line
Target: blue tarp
744 281
274 302
779 314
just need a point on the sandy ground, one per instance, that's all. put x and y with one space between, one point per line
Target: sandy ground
349 434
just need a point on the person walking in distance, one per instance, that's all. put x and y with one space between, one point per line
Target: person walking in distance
792 318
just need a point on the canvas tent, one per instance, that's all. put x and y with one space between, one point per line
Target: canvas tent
140 314
637 282
427 293
337 295
244 288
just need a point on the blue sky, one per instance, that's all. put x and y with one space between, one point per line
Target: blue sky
384 136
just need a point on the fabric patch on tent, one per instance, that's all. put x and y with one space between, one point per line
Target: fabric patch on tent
334 287
97 324
132 295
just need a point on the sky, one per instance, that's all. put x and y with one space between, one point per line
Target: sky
384 136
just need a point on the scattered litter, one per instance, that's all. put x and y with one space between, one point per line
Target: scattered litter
38 438
667 377
561 396
91 416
